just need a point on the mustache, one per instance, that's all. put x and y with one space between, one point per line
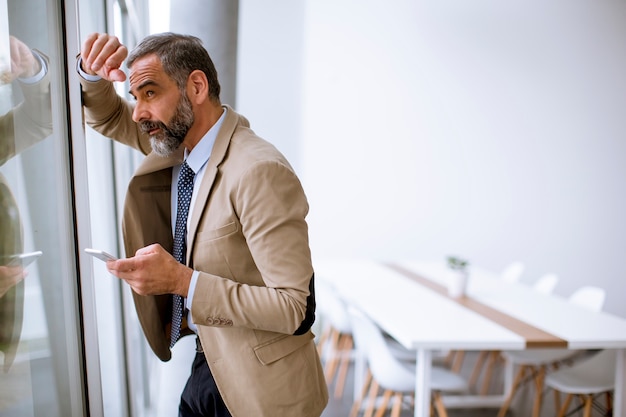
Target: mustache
147 125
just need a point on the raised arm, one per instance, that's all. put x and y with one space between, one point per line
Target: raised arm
100 63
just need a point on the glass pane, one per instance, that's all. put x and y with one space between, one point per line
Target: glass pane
40 350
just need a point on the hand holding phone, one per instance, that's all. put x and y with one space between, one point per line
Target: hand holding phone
100 254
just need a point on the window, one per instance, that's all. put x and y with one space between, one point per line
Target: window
41 343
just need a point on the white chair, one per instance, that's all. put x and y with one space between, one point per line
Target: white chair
587 380
336 345
546 283
589 296
394 377
537 361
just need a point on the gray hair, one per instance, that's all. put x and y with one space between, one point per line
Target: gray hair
179 56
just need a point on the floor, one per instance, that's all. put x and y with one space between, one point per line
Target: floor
521 407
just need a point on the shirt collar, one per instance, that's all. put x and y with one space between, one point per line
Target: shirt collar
200 154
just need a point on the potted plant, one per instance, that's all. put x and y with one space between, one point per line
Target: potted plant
457 281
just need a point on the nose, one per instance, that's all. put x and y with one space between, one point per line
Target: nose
140 113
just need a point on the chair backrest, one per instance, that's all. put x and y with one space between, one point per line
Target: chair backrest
546 283
513 272
598 372
589 296
588 376
385 368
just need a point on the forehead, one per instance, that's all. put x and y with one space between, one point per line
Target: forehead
148 70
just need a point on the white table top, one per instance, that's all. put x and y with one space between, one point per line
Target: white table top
420 317
412 314
581 328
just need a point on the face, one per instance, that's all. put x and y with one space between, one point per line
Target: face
168 137
162 111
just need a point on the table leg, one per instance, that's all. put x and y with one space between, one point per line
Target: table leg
619 397
422 383
359 374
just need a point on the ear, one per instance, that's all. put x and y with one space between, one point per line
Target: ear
197 87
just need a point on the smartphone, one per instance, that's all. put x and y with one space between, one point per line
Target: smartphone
100 254
22 259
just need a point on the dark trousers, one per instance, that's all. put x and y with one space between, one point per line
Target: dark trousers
200 398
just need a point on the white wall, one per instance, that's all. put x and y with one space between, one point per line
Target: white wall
269 71
491 130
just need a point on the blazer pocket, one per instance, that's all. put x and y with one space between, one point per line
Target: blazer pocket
278 348
225 230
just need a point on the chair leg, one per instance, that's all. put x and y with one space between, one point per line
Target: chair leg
565 406
588 400
609 403
581 401
383 405
449 358
557 400
458 361
507 403
478 366
494 356
397 405
371 399
331 362
356 406
345 349
438 401
539 378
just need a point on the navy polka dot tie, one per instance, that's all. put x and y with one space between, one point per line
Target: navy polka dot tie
185 189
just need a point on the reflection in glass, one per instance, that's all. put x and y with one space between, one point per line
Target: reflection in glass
37 335
20 127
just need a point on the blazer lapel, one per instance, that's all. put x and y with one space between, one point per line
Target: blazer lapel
222 141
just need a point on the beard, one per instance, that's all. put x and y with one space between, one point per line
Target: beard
171 135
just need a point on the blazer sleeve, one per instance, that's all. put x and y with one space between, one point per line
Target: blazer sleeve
271 206
111 115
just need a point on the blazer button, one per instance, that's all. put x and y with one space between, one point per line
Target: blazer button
209 321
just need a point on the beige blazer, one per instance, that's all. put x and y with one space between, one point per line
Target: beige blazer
249 240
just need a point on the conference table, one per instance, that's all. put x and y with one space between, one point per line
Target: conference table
409 300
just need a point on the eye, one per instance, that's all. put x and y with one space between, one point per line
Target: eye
149 93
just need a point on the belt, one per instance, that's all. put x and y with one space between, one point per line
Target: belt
198 345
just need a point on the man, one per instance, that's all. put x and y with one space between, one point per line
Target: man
246 277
